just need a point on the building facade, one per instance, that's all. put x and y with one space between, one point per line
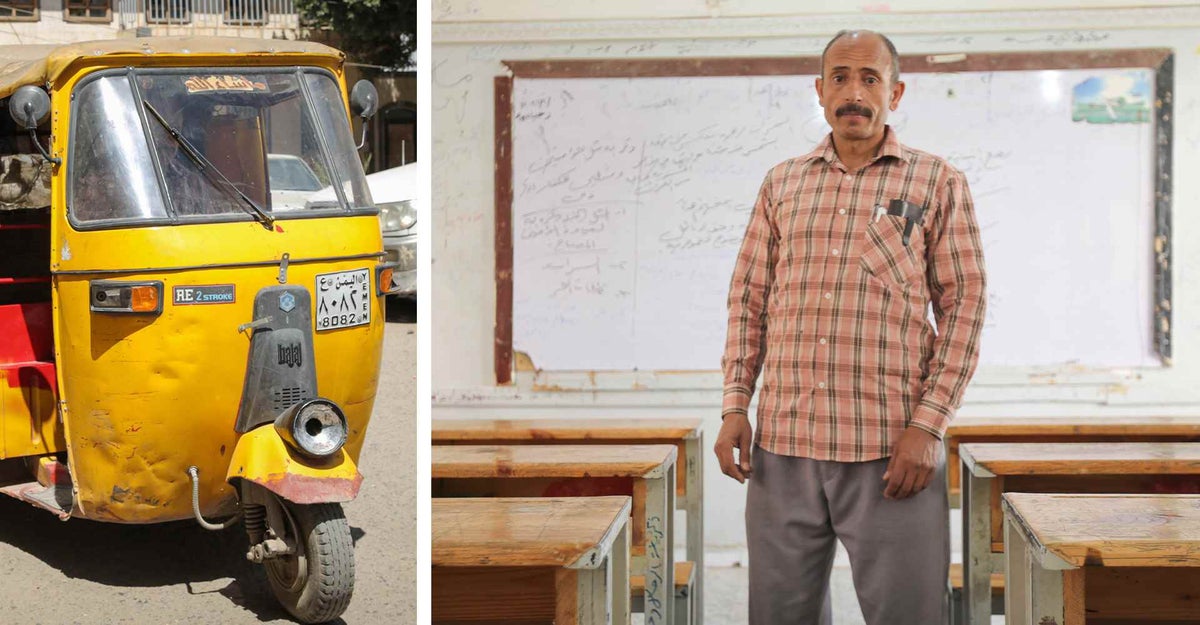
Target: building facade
64 21
391 138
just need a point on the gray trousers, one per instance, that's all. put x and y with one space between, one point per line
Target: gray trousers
796 510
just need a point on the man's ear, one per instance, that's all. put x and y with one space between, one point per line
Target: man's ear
897 93
820 92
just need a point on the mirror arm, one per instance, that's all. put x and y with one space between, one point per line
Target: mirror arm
362 141
45 154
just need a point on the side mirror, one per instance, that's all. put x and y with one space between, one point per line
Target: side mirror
29 107
364 99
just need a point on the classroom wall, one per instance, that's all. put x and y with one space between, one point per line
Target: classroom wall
471 37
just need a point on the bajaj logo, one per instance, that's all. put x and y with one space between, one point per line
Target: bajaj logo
290 355
287 302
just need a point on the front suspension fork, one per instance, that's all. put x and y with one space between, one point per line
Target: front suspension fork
266 524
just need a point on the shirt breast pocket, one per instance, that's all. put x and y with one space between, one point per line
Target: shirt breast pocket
884 254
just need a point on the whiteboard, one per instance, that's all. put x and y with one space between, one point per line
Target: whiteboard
631 195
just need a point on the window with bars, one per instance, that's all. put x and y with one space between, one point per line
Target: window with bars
169 11
87 10
245 12
18 10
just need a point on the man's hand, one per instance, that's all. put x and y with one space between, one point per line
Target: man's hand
914 459
735 432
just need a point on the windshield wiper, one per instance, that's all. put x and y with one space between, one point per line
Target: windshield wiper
207 168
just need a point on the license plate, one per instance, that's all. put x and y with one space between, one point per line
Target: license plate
343 299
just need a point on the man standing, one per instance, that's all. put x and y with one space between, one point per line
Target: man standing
846 248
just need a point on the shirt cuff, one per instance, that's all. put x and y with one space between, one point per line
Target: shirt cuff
736 400
932 418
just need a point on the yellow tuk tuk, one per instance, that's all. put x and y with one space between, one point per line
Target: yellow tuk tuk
191 294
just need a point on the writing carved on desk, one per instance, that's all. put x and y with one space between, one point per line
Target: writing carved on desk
655 535
654 603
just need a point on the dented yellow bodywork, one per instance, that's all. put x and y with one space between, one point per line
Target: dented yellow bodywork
147 396
262 457
29 423
143 397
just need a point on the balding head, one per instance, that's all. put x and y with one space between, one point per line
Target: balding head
855 89
858 34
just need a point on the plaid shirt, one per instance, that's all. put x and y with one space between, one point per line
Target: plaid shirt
832 306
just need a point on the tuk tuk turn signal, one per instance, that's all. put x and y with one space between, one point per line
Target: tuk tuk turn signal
383 279
126 297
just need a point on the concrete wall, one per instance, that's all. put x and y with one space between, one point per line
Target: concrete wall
50 27
207 20
471 37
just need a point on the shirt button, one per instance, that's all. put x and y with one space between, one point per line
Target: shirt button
829 296
841 211
835 251
822 341
820 385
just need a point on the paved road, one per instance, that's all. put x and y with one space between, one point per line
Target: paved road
87 573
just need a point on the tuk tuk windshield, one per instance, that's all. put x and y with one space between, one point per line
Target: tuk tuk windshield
212 145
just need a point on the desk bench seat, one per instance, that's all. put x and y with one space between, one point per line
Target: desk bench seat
541 560
1102 559
1080 429
685 434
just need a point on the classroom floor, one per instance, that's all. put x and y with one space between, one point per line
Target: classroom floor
727 588
727 597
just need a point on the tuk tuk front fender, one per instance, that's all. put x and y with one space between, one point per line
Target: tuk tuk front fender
262 457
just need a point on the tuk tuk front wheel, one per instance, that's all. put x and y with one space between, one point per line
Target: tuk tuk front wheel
314 582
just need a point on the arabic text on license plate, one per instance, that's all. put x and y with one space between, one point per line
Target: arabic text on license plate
343 299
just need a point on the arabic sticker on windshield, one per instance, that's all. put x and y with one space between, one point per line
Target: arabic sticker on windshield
343 299
205 84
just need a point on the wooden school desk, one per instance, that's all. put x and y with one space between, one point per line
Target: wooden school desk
1060 430
990 469
1102 559
685 434
646 472
540 560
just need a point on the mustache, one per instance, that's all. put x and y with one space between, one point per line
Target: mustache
853 109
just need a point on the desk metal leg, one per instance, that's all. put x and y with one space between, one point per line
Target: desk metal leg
977 543
684 601
1016 575
619 581
1046 595
582 596
660 515
694 482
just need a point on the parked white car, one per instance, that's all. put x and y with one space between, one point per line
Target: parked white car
292 182
394 191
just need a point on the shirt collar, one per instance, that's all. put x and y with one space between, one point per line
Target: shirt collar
890 147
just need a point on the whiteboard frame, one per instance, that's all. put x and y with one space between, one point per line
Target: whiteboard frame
1160 60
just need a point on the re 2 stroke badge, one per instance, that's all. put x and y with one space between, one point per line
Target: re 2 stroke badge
203 294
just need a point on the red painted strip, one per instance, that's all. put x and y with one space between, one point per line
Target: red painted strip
31 374
28 333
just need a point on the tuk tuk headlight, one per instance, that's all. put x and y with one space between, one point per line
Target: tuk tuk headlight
316 427
397 216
